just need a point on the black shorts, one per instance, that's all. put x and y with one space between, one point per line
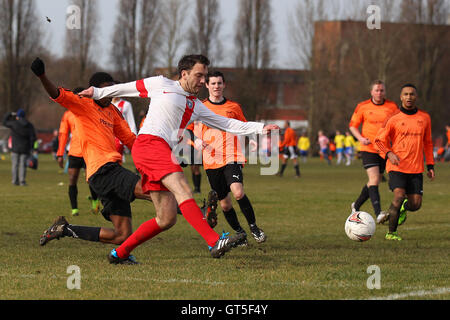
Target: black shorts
290 152
370 159
76 163
115 188
220 179
411 182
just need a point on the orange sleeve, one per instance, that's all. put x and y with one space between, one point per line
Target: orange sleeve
71 101
239 114
382 140
357 118
63 135
428 143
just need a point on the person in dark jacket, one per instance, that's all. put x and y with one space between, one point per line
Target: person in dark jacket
23 138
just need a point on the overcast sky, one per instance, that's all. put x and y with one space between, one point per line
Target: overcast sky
56 11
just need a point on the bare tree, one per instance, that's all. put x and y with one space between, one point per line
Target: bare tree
429 45
174 26
136 39
254 34
20 40
301 26
204 32
80 41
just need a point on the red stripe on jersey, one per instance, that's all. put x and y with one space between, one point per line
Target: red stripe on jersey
140 86
190 104
120 106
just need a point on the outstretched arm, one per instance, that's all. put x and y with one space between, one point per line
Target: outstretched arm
38 67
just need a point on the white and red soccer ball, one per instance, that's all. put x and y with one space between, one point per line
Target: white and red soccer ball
360 226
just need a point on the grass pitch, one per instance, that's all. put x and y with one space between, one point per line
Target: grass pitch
307 255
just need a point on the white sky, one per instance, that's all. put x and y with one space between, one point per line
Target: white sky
56 11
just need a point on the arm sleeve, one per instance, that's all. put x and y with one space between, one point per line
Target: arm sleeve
135 89
382 141
356 119
63 136
202 113
428 144
71 101
6 122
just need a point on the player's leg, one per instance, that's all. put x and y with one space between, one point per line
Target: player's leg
178 185
166 217
414 191
296 166
196 177
399 195
235 179
371 163
73 188
284 161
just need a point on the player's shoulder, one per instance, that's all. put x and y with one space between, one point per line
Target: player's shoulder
423 113
391 104
362 105
116 111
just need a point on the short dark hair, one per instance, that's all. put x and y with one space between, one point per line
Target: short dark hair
214 74
408 85
376 82
189 61
77 90
100 77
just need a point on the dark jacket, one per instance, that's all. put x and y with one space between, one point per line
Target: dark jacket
22 133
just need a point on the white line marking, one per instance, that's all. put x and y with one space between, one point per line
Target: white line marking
420 293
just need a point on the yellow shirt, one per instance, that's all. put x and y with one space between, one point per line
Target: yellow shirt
303 143
349 141
339 141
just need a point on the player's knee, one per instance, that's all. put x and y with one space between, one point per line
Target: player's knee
414 205
167 222
120 237
238 194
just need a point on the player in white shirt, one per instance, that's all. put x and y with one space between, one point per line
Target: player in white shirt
126 109
173 106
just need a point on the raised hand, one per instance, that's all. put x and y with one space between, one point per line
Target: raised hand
38 67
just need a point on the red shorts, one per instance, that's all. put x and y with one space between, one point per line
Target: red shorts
154 160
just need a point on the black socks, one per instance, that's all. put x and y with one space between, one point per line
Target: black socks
82 232
375 199
73 194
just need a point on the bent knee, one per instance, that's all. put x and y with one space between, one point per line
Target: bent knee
166 223
120 238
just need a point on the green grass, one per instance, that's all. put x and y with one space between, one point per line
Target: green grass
307 255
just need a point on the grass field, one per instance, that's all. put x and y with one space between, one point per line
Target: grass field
307 255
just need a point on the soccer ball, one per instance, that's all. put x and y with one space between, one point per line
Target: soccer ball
360 226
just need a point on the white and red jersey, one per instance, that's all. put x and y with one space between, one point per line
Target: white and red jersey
172 109
126 109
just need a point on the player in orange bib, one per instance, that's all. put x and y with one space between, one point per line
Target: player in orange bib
76 162
223 160
289 149
98 123
405 140
372 114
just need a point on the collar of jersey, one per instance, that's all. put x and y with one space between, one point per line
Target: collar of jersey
218 103
409 112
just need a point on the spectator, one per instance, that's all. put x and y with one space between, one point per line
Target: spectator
22 142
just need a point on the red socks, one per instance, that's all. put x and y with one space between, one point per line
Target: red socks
192 213
145 232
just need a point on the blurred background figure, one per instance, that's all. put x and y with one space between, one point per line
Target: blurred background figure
23 137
